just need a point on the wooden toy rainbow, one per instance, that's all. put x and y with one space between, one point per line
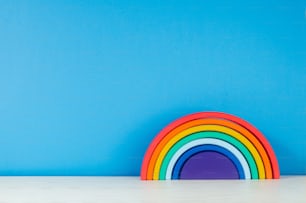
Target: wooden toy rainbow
239 141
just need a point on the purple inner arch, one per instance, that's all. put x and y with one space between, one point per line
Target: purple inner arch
209 165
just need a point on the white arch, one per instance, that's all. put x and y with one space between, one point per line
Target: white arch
212 141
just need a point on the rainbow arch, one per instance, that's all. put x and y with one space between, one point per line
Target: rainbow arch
209 145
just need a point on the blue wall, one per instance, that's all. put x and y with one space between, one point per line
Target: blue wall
86 85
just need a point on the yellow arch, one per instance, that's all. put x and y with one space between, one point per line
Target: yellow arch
218 128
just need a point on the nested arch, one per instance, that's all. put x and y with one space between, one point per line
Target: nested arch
211 145
268 158
226 132
243 154
220 122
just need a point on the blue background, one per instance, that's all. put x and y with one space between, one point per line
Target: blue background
86 85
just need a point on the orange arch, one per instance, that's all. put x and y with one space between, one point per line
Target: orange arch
222 122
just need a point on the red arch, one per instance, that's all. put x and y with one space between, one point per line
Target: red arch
220 115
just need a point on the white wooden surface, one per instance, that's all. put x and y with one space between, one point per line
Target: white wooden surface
130 189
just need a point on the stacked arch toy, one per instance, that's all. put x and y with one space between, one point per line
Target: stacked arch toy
209 145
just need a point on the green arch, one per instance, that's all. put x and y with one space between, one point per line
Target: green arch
209 134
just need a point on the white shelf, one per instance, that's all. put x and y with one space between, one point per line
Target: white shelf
130 189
